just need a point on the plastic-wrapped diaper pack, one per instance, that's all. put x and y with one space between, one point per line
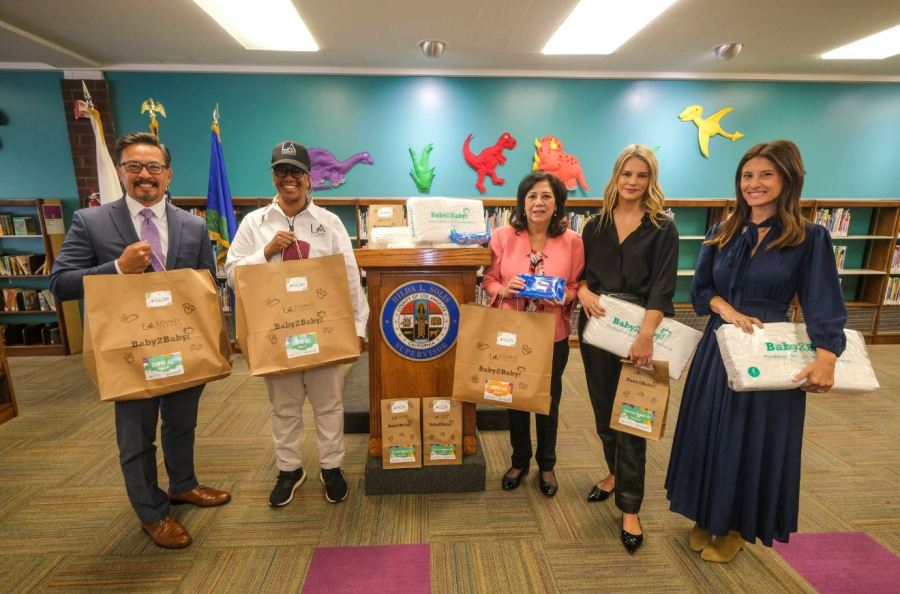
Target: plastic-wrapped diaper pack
432 219
769 358
673 341
391 237
543 287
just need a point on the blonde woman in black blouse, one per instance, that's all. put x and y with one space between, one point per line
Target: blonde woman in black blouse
631 252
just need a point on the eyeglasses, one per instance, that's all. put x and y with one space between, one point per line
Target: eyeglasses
152 167
283 170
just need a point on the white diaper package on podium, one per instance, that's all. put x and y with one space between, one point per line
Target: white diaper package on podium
391 237
769 358
673 341
432 219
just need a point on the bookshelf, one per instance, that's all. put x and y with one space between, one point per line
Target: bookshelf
35 324
871 240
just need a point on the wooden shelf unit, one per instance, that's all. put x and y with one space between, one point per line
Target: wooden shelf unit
67 314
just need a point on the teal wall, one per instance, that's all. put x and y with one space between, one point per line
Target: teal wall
35 160
849 133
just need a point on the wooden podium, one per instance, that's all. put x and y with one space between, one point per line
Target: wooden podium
390 374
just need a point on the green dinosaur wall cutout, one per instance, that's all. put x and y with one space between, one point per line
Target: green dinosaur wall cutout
420 173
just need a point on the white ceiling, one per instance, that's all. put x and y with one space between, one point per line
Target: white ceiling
783 38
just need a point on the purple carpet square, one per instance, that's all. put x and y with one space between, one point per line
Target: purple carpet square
842 562
398 569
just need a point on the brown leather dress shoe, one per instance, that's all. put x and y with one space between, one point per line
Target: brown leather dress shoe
168 533
201 497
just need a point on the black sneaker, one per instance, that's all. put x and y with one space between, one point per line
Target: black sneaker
335 485
287 483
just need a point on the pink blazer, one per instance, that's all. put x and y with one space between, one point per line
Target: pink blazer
511 255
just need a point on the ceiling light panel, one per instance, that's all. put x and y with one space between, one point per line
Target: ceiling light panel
262 24
874 47
602 26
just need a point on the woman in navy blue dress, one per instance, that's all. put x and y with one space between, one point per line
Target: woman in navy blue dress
735 464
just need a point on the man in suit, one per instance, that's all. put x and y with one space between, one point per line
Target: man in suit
139 233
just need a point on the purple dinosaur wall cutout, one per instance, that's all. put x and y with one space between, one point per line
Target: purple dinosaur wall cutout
330 172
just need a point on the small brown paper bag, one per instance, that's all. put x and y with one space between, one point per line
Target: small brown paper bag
441 432
151 334
295 315
642 399
401 436
504 357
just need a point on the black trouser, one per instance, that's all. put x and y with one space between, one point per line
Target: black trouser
546 425
625 454
136 422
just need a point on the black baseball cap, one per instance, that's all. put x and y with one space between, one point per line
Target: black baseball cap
291 153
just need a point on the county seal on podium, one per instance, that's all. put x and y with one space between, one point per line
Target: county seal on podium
420 320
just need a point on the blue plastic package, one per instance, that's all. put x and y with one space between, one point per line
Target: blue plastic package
543 287
469 238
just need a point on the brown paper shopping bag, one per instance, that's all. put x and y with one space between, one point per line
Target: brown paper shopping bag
442 437
401 435
504 357
642 399
154 333
295 315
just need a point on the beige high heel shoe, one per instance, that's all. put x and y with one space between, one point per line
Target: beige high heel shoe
700 538
723 548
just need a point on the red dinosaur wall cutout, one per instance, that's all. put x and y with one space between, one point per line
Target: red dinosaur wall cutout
485 162
548 155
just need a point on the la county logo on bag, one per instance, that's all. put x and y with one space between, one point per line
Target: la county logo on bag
420 320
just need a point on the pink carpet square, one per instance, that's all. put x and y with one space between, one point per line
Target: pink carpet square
842 562
395 569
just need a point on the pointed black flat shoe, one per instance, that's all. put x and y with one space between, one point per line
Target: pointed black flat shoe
509 483
598 494
631 542
547 488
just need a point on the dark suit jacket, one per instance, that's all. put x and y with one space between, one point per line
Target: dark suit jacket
99 235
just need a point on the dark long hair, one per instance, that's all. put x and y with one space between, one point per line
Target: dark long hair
558 224
785 155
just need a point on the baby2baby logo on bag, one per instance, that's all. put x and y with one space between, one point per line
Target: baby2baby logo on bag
420 320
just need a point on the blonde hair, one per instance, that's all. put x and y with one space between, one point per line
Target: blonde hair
785 156
653 199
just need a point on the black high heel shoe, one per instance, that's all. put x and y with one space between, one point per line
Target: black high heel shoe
631 542
598 494
508 483
547 488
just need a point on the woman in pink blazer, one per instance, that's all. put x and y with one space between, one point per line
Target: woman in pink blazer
537 241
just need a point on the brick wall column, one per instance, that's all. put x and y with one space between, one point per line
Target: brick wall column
81 135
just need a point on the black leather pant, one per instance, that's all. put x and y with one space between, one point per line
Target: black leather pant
545 425
625 454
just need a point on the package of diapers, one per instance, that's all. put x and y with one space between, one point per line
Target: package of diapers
432 219
769 358
390 237
673 341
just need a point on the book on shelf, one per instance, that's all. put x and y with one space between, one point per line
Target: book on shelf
6 225
24 226
840 255
837 220
23 264
46 302
895 261
892 293
18 299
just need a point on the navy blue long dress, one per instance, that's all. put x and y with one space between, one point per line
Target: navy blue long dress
735 461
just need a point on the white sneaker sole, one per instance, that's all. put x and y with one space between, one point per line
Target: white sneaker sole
291 498
329 499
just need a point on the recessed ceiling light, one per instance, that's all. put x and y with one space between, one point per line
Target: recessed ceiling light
602 26
262 24
727 51
433 48
874 47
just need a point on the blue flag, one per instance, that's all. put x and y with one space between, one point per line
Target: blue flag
220 219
